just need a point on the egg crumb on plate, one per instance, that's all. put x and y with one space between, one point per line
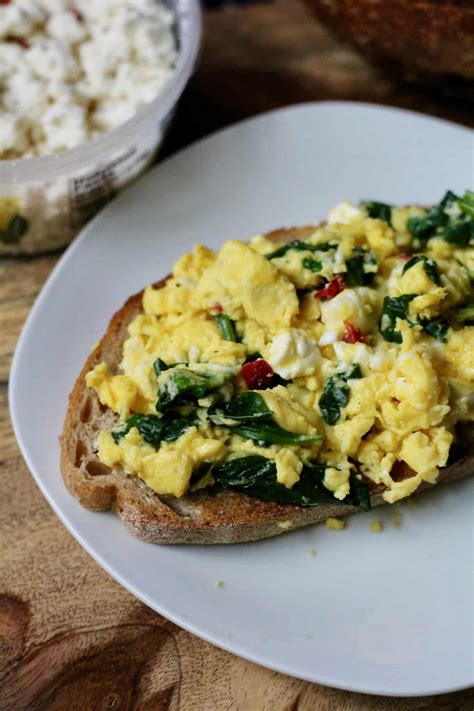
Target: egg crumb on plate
376 526
397 518
218 584
321 370
335 524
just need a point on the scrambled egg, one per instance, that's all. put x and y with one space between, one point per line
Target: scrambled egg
353 295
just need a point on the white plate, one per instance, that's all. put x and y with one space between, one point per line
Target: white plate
389 613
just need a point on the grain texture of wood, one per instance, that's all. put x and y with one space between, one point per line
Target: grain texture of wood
20 282
70 637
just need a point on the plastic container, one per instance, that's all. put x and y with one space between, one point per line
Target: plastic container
45 201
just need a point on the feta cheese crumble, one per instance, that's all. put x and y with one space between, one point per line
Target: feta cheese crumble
71 70
343 213
291 354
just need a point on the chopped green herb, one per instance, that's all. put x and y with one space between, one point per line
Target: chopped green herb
256 476
378 210
394 307
429 265
226 327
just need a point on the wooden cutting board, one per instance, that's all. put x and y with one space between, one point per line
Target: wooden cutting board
70 637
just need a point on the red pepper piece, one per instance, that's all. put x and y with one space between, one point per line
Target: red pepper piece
335 286
405 257
352 334
257 374
218 308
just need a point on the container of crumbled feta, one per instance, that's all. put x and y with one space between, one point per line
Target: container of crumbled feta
87 90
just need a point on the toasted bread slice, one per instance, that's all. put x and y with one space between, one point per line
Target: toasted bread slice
206 517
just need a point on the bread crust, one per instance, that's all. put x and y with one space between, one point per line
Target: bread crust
204 517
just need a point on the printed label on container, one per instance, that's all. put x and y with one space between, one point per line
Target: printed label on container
89 192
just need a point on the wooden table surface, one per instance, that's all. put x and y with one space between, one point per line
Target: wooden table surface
70 637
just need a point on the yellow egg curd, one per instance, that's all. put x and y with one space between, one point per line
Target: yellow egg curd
303 372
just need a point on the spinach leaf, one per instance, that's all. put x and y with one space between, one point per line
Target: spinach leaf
174 427
226 327
243 472
444 220
378 210
248 405
154 429
183 384
397 307
159 366
149 426
394 307
271 433
429 265
17 227
359 494
256 476
336 394
425 226
460 233
334 397
354 373
253 356
436 328
200 472
314 265
448 199
255 423
466 203
302 247
357 273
